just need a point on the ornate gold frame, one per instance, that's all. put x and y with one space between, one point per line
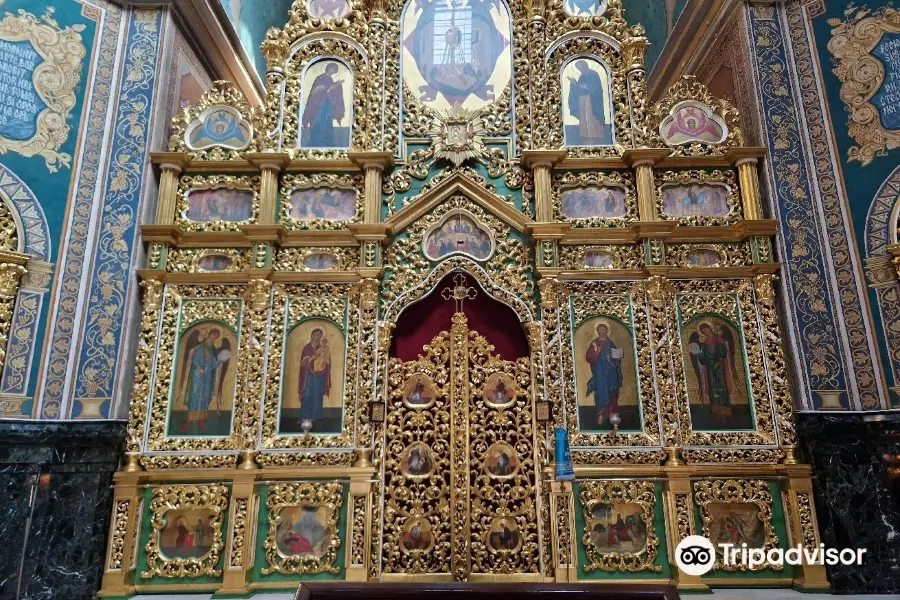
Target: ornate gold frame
284 93
737 491
641 493
716 177
579 179
685 89
187 260
294 259
182 307
182 497
222 93
616 300
191 183
293 304
298 181
730 255
589 47
286 495
851 47
55 79
734 301
625 256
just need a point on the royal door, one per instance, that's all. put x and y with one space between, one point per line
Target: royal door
460 476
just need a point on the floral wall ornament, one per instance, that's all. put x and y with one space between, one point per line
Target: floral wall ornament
52 59
862 48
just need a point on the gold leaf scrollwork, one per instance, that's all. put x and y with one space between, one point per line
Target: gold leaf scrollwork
595 494
322 497
55 78
863 76
213 498
754 492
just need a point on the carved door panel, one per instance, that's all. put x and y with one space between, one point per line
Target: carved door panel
460 476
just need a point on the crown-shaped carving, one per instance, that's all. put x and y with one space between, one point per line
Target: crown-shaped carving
308 17
693 122
222 126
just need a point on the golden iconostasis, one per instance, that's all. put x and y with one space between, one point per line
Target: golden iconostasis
372 308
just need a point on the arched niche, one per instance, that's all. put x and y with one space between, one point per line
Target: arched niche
419 322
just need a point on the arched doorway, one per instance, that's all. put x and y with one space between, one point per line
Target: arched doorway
460 467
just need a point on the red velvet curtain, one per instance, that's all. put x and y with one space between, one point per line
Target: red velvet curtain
420 323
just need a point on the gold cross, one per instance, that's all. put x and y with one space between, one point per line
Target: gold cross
460 291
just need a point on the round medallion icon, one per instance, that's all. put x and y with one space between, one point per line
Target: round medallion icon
695 555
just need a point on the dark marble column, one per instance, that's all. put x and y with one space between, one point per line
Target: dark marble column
856 480
55 502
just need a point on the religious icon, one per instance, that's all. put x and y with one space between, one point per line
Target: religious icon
692 122
587 103
606 375
606 202
502 460
331 204
599 260
204 381
716 377
504 535
458 233
419 391
320 261
584 8
456 52
417 536
187 533
327 103
222 126
312 379
736 523
219 204
417 461
215 262
618 527
499 391
703 257
304 531
695 199
328 9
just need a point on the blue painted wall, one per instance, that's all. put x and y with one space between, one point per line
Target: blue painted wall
252 19
53 188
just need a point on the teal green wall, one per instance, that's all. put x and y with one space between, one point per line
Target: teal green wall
652 15
52 188
255 18
861 183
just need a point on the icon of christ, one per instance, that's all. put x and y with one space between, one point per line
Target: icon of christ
605 360
459 50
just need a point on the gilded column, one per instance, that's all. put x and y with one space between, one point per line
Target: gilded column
749 182
169 174
238 551
804 531
359 530
642 160
746 161
11 271
541 162
268 192
679 507
562 514
373 165
122 543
